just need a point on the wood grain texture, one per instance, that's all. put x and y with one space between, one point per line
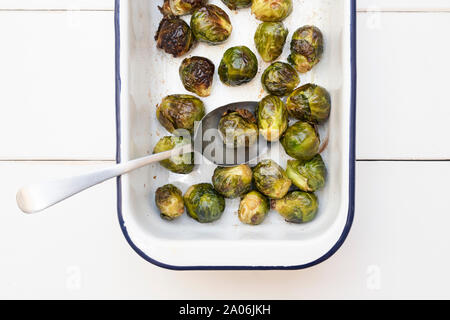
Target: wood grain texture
403 5
57 4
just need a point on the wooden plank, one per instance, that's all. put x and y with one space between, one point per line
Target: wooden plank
402 83
58 85
403 5
396 249
57 4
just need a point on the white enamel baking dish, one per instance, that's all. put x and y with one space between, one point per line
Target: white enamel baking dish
144 75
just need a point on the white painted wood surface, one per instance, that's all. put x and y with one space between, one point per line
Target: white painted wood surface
57 103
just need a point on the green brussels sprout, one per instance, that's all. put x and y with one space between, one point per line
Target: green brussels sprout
197 75
253 208
301 141
239 65
270 38
297 207
271 179
169 201
280 79
271 10
211 24
306 48
237 4
233 182
309 175
203 203
174 36
272 118
183 7
310 103
182 164
180 111
238 128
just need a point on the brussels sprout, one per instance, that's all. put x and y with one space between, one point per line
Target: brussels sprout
270 38
237 4
203 203
165 9
180 111
233 182
254 208
174 36
271 10
182 164
169 201
211 24
306 48
297 207
197 75
310 103
271 179
238 128
272 118
239 65
301 141
309 175
183 7
280 79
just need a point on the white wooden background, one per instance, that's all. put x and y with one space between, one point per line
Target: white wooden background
57 119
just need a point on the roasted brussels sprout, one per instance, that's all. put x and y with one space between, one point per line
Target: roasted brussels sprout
271 10
237 4
309 175
270 38
203 203
253 208
272 118
271 179
310 103
301 141
239 65
197 75
238 128
169 201
233 182
165 9
180 111
183 7
211 24
306 48
174 36
182 164
297 207
280 79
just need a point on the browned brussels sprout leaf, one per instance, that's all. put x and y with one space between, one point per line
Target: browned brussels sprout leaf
174 36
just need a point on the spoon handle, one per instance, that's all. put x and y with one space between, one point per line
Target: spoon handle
37 197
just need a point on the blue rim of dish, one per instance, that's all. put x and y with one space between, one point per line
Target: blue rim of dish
351 208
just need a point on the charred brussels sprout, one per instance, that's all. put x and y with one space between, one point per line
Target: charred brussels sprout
309 175
271 179
310 103
306 48
203 203
270 38
174 36
237 4
183 7
271 10
232 182
182 164
197 75
211 24
239 65
272 118
301 141
253 208
280 79
165 9
169 201
180 111
297 207
238 128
